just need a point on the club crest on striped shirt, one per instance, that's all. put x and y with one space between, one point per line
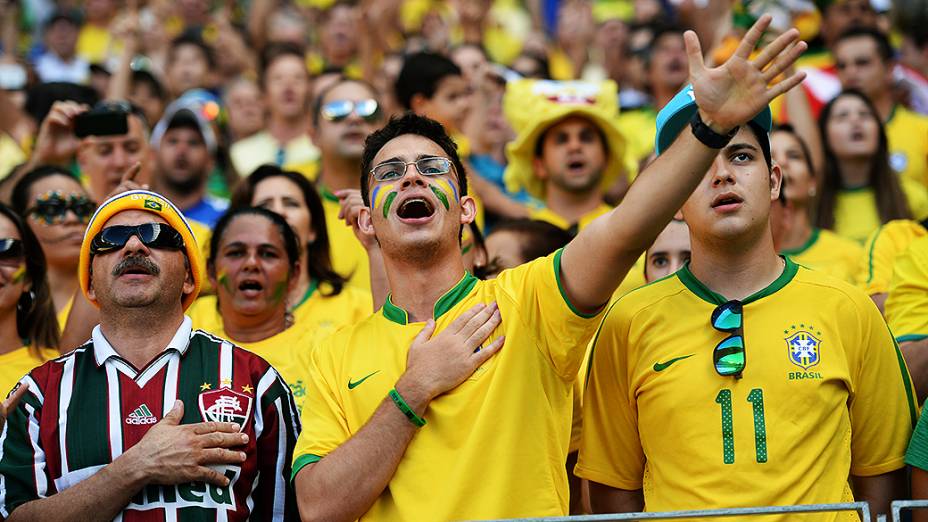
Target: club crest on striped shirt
225 405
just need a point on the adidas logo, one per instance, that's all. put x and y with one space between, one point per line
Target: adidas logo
141 415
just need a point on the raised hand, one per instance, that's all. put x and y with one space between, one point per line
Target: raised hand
11 402
731 94
127 181
56 143
437 365
171 453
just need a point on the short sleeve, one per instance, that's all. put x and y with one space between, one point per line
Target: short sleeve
610 448
880 251
324 423
883 406
23 470
906 307
561 330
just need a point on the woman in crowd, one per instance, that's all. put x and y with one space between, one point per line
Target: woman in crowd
669 252
57 208
253 264
809 246
320 297
860 191
28 329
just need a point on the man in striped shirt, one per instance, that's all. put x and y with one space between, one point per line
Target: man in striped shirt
149 420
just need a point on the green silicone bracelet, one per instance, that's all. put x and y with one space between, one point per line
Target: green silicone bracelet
407 411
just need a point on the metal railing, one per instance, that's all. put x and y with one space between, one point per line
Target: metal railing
862 509
898 505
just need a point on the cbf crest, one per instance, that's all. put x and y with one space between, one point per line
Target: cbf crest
803 346
225 405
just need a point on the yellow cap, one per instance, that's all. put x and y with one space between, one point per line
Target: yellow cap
532 106
148 202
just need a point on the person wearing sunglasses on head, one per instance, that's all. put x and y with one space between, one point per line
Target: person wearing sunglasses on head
28 330
344 115
743 379
149 418
57 208
390 404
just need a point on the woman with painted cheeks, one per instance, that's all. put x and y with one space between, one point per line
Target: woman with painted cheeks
28 329
254 262
57 208
860 191
319 299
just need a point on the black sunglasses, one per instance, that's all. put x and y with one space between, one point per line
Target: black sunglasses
11 251
153 235
729 356
52 208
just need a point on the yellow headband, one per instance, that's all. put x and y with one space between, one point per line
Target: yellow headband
148 202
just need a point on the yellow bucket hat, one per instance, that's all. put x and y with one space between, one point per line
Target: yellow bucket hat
148 202
532 106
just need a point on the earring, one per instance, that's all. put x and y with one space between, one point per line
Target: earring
24 307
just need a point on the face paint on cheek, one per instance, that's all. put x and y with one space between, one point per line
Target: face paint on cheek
386 205
440 194
19 275
224 280
280 292
379 193
450 187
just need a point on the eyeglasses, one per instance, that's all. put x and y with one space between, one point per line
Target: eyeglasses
52 208
729 355
338 110
11 252
153 235
431 166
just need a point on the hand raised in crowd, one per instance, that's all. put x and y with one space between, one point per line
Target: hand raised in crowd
56 143
171 453
11 402
733 92
351 203
438 365
127 182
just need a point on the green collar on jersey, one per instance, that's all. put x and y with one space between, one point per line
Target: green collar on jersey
805 246
310 290
444 303
703 292
326 193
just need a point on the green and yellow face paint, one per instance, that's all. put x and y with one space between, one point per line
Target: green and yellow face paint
383 195
441 188
224 281
20 274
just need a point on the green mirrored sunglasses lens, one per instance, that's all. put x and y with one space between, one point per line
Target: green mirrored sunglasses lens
727 319
729 356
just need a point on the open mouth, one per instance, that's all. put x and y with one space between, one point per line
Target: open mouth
250 287
415 208
726 201
576 165
857 135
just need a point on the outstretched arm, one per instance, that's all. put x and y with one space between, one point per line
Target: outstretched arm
728 96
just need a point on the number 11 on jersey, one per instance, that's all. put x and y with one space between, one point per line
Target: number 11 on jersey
756 398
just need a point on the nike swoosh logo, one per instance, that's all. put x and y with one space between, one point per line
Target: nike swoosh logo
659 366
355 384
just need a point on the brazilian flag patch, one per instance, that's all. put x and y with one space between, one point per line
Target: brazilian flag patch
153 205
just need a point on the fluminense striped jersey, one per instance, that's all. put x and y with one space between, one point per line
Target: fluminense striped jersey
86 408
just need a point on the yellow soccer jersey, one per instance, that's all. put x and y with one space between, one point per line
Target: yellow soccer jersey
14 365
325 314
62 316
856 216
882 248
828 252
907 134
495 446
824 394
349 258
905 307
549 216
639 127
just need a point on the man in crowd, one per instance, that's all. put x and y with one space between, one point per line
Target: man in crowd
285 141
148 418
60 62
442 408
185 146
799 359
190 62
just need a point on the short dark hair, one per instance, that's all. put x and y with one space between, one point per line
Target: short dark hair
883 48
19 200
291 244
421 74
763 139
661 30
317 103
140 77
409 123
194 39
540 237
319 258
275 50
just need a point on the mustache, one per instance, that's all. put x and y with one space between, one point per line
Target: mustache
133 263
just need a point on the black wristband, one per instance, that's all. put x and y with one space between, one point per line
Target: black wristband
707 136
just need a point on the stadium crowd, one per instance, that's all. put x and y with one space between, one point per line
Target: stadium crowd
461 259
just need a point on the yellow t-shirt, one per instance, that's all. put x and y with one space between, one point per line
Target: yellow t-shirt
62 316
639 126
11 154
824 394
202 234
856 216
495 446
349 258
93 43
14 365
907 134
828 252
905 307
299 154
875 271
549 216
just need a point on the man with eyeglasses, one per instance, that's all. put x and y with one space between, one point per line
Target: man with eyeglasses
344 115
403 425
743 379
149 419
